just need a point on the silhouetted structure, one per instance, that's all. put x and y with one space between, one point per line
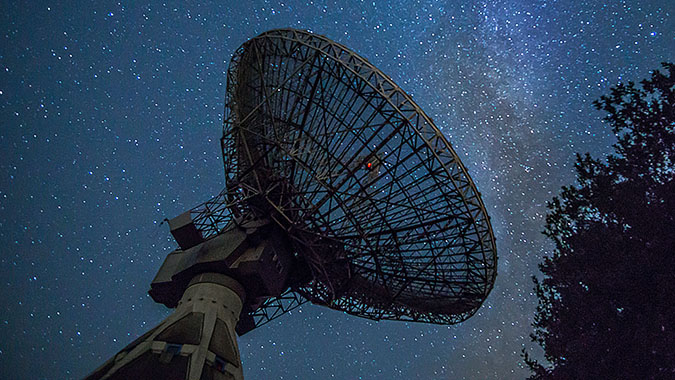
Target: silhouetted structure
339 191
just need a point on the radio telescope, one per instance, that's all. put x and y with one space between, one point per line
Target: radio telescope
339 191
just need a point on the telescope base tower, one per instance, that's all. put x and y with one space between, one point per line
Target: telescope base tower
196 342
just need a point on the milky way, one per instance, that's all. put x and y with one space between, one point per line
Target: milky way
111 116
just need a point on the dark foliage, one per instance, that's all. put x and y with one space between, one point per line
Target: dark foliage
607 299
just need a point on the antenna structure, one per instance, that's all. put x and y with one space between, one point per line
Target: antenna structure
339 190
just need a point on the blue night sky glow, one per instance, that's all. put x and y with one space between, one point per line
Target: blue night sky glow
110 119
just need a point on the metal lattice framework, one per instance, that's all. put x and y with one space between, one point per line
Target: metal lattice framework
370 192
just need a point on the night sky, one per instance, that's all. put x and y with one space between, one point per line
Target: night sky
110 116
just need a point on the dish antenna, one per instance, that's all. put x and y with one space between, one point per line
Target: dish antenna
339 190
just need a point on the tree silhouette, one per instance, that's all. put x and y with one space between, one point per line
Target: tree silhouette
607 298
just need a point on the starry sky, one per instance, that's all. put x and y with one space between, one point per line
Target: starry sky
110 115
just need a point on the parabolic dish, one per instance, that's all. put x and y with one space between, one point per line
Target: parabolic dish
373 197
